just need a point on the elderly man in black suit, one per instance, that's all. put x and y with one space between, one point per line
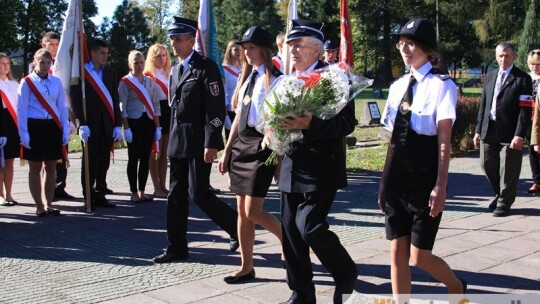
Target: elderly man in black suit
197 103
311 174
503 120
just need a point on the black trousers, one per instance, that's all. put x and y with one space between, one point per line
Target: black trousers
99 154
143 130
190 178
61 175
304 225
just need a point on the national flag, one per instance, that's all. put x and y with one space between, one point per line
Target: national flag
292 14
345 47
67 65
206 41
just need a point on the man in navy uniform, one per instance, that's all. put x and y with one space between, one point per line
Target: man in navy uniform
197 105
311 173
330 52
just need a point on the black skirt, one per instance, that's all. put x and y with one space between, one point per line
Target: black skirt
12 148
45 140
165 118
249 175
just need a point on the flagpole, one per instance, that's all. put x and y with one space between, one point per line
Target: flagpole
86 164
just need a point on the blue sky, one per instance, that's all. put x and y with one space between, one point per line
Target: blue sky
105 9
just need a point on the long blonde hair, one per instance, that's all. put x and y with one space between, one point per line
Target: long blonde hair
153 52
247 69
227 57
9 75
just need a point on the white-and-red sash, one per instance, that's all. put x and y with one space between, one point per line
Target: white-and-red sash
159 82
49 106
97 84
141 91
43 100
9 107
230 70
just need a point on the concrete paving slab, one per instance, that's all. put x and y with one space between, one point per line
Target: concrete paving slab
106 256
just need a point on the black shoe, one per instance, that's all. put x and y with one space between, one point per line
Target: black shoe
63 195
169 257
501 211
299 301
493 204
344 288
234 244
213 190
105 191
464 284
105 204
235 280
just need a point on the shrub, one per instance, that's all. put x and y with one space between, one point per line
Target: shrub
463 130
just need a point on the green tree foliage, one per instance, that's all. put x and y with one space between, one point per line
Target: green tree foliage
129 31
501 21
9 39
235 16
530 36
326 11
158 15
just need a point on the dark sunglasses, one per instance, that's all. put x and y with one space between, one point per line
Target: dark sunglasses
534 52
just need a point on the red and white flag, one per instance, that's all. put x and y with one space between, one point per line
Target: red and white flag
67 65
345 47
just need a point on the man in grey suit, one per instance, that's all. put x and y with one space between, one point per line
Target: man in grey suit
503 120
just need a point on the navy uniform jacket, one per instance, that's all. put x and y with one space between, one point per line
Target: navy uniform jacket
197 108
512 119
317 161
96 112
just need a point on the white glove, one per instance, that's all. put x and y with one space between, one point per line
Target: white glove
84 133
3 141
65 139
158 134
117 134
128 136
25 140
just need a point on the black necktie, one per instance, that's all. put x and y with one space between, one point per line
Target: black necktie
403 117
181 71
246 102
251 85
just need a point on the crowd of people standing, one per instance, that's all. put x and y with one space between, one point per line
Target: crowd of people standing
174 115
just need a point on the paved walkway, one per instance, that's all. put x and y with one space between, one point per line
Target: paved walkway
106 256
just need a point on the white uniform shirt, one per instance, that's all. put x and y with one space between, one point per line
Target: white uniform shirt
10 87
434 100
29 106
160 74
257 99
230 85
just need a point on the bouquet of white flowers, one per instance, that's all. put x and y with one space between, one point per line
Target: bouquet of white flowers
323 92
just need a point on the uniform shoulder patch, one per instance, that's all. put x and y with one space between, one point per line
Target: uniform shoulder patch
276 72
214 88
439 74
216 122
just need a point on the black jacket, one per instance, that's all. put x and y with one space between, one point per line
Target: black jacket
317 161
511 118
197 108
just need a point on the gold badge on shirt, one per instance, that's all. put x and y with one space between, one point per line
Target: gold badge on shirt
404 107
